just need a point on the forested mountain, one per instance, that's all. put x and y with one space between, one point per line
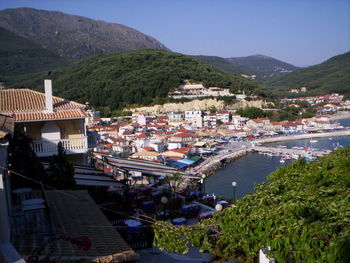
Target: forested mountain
264 68
137 77
267 65
332 75
73 36
19 55
225 64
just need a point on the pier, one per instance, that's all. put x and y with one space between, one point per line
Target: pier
285 151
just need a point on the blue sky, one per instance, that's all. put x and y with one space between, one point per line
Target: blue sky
301 32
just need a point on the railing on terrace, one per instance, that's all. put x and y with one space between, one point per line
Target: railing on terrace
31 221
74 145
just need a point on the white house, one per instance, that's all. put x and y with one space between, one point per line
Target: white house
48 120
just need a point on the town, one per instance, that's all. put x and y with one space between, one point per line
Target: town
174 131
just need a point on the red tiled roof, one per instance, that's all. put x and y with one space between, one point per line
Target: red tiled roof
30 100
142 136
182 135
29 105
62 114
147 148
183 150
183 130
117 139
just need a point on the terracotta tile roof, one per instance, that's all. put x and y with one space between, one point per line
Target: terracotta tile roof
29 105
148 148
63 114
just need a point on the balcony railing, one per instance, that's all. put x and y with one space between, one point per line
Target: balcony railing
71 146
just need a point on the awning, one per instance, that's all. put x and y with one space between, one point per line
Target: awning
186 161
178 164
92 180
199 144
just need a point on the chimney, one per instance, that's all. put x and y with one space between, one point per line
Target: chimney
48 96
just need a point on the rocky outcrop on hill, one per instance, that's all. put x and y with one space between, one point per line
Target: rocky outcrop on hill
203 105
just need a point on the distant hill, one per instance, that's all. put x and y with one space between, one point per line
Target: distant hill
267 65
19 55
139 77
73 36
264 68
332 75
225 64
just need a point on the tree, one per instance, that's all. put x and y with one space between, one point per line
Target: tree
174 180
212 109
23 160
61 172
251 112
302 215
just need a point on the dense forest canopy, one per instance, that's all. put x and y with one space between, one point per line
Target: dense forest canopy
330 76
303 215
132 78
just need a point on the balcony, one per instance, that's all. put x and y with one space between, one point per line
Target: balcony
71 146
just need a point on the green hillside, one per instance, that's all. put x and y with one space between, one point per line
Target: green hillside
139 77
264 68
269 66
224 64
19 55
331 76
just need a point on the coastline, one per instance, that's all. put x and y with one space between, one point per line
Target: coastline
345 132
215 163
345 115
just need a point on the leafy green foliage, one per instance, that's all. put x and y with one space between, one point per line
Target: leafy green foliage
139 77
331 76
251 112
303 215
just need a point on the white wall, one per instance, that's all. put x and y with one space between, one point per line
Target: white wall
50 131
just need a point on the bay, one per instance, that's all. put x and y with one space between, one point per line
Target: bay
253 168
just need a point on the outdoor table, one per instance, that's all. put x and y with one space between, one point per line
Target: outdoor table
190 210
179 221
133 225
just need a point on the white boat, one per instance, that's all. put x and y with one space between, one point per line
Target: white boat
313 140
282 160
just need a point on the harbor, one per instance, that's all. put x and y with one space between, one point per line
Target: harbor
253 168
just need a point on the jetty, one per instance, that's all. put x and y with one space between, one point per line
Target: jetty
291 152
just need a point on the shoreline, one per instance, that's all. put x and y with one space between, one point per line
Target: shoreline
345 132
340 116
219 161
